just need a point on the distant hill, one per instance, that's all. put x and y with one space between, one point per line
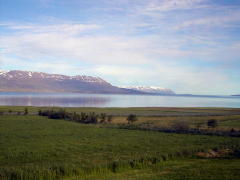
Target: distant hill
152 90
27 81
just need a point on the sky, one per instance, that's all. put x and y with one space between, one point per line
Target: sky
189 46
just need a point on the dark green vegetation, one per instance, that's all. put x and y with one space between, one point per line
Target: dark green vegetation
131 118
177 126
227 118
145 112
36 147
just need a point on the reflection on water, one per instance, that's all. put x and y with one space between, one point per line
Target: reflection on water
100 100
52 100
68 102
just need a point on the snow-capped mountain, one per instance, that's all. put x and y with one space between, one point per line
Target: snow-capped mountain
28 81
39 75
3 72
152 90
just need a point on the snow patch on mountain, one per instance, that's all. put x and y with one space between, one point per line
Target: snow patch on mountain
40 75
152 89
2 72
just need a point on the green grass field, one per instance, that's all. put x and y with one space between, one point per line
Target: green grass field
178 169
34 147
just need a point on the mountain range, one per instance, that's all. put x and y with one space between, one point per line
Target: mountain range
28 81
152 90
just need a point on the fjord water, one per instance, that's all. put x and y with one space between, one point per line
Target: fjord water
106 100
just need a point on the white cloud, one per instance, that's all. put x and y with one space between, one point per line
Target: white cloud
211 21
49 66
70 42
56 28
99 49
168 5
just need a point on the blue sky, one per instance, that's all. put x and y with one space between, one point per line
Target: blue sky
190 46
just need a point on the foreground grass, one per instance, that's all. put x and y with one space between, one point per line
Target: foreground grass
34 147
178 169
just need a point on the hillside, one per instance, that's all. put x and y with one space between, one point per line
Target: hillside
27 81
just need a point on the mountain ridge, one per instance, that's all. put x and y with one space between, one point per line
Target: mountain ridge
30 81
30 74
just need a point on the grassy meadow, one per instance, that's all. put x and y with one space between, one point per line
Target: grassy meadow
178 169
39 148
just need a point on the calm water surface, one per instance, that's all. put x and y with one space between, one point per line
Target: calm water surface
101 100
